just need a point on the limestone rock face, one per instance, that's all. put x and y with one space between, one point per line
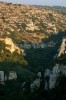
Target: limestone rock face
39 74
46 78
35 85
12 75
47 72
51 78
62 48
10 45
1 76
4 77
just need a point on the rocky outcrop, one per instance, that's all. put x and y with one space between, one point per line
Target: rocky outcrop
1 77
55 73
12 75
36 83
10 45
51 78
62 49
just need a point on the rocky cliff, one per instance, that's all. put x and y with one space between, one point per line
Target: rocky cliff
10 45
62 49
51 78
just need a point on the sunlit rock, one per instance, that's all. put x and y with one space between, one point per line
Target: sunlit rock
62 48
11 46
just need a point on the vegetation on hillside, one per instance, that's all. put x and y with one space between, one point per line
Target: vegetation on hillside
27 23
31 24
42 58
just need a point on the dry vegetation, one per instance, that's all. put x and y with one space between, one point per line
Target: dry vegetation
29 23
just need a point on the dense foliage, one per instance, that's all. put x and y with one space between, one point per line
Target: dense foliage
39 59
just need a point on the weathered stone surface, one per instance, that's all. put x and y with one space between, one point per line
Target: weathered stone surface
1 76
10 45
12 75
62 49
4 77
50 77
35 85
39 74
